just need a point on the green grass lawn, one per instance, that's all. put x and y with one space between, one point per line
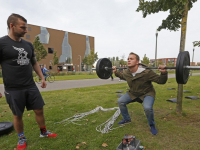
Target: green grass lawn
174 132
68 77
75 77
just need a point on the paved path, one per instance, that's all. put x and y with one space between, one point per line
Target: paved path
69 84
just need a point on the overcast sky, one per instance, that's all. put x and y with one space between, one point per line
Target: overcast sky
116 26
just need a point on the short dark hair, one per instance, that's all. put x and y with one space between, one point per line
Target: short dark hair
137 57
13 18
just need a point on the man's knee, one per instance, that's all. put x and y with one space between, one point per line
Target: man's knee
17 117
119 101
147 108
38 111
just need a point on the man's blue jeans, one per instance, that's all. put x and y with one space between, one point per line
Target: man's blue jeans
45 75
147 105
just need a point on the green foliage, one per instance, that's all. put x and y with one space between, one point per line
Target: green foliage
91 58
55 58
159 63
170 64
40 51
116 61
175 8
117 58
122 62
196 43
145 60
113 58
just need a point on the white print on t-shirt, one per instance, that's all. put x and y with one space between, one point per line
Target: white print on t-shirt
22 56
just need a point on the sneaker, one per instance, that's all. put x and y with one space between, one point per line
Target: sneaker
21 144
124 122
153 130
48 134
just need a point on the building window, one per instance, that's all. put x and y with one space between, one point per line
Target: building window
44 35
50 67
28 36
50 50
29 28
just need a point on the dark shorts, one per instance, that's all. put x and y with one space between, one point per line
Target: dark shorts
19 99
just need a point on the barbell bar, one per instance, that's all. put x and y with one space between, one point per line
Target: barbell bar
104 68
186 67
139 64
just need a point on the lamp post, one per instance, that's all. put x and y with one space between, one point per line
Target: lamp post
156 48
192 61
80 62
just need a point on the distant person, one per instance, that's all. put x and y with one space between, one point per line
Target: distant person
111 78
44 70
17 59
120 70
141 89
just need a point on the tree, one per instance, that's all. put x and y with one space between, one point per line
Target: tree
55 58
145 60
170 64
91 58
122 62
113 61
40 51
160 62
178 11
196 43
117 58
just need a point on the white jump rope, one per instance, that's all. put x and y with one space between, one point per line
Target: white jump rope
107 125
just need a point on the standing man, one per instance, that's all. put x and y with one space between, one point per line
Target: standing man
141 89
17 59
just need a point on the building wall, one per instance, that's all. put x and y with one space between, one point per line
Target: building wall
165 61
76 41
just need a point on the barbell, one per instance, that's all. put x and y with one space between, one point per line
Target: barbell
104 68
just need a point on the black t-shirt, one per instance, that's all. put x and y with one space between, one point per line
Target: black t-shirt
15 62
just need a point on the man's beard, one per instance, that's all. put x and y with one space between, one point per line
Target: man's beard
20 34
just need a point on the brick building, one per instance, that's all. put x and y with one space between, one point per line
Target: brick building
71 48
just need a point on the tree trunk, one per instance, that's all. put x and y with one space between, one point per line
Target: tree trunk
182 48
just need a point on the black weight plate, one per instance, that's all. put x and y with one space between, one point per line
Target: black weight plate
100 68
192 97
184 91
119 91
171 88
182 74
174 100
5 127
